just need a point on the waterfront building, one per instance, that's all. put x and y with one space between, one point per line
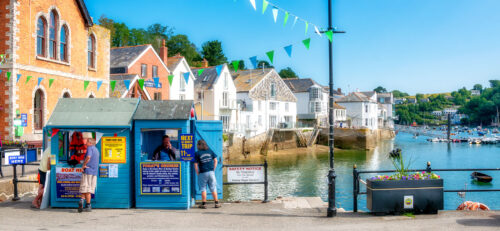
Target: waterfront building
386 101
144 62
424 100
437 113
181 88
412 100
51 49
362 109
475 92
215 96
399 100
266 101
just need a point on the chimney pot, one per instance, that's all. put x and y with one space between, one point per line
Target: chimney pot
204 63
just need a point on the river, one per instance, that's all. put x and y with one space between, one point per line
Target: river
304 174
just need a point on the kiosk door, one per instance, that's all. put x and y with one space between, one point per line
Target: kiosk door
211 132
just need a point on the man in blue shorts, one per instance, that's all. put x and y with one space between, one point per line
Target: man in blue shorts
206 162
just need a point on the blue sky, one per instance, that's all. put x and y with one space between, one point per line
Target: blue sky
417 46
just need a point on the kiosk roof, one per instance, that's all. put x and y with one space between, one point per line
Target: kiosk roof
93 112
164 110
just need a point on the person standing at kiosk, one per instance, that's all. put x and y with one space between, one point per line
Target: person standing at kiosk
165 151
89 175
206 162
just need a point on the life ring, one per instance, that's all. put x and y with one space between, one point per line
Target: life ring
473 206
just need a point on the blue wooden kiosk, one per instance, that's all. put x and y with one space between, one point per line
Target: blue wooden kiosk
109 118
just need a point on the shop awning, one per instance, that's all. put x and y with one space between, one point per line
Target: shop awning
164 110
93 113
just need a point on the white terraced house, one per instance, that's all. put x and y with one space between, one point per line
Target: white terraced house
362 109
180 89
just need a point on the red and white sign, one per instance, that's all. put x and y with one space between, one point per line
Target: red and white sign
251 174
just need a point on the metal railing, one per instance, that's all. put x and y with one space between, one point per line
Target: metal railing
356 179
252 165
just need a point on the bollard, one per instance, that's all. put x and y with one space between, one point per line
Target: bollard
14 181
429 170
355 185
265 183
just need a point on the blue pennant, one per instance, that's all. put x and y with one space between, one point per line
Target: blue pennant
18 77
288 50
0 71
39 80
186 77
254 61
218 69
127 83
157 81
99 84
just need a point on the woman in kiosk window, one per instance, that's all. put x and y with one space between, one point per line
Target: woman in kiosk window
165 151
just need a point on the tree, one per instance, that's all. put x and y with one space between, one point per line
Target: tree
399 94
156 33
494 83
419 96
213 53
181 44
478 87
380 89
287 73
263 63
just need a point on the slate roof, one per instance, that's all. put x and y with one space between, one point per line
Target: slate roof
301 85
85 13
336 106
354 97
124 56
174 61
245 80
120 87
207 79
368 94
164 110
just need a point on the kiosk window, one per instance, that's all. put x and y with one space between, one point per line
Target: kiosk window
152 139
72 143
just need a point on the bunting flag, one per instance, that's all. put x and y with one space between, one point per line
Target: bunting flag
253 4
18 78
307 42
157 82
275 14
27 79
295 21
317 31
0 71
127 83
2 58
253 60
170 79
307 27
50 82
8 76
39 80
141 83
54 132
329 34
98 136
112 84
186 77
264 6
236 65
85 85
99 83
286 18
270 55
200 71
288 50
218 69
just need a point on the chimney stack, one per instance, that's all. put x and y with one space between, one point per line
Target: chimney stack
163 52
204 63
339 90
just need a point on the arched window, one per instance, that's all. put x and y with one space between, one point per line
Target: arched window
52 35
91 52
40 36
66 95
38 109
64 44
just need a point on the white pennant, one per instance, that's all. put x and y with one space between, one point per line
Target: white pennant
317 31
253 4
295 21
98 136
275 14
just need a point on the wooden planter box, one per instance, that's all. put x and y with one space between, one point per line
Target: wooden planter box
398 196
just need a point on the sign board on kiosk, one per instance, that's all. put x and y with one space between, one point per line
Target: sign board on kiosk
114 150
161 178
187 147
245 174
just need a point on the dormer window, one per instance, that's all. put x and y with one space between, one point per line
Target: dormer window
314 93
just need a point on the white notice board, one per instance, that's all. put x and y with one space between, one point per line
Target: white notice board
242 174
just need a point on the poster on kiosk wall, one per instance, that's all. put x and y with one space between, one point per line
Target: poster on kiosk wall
68 183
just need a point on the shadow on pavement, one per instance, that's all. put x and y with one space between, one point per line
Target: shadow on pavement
493 222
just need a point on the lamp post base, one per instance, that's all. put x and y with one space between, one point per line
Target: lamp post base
332 208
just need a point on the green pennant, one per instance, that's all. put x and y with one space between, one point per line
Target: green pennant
307 26
307 42
85 85
141 83
8 76
236 65
170 79
200 71
264 6
112 84
27 79
329 34
50 82
270 55
286 18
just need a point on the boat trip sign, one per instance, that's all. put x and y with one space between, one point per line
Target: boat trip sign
245 174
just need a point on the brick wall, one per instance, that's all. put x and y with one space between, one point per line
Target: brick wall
150 58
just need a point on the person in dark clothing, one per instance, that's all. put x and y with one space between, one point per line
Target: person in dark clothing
165 151
205 165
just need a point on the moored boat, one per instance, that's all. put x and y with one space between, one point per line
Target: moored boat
481 177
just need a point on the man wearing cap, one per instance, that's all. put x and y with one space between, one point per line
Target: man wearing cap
89 175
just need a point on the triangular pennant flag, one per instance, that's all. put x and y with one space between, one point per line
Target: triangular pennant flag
200 71
8 76
275 14
270 55
27 79
112 84
50 82
85 85
295 21
288 50
170 79
99 83
141 83
307 42
317 31
307 26
71 133
236 65
98 136
286 18
39 80
329 34
186 77
253 4
0 71
54 132
157 82
264 6
2 59
253 60
218 69
127 83
18 78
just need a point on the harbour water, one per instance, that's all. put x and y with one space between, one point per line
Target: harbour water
304 174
